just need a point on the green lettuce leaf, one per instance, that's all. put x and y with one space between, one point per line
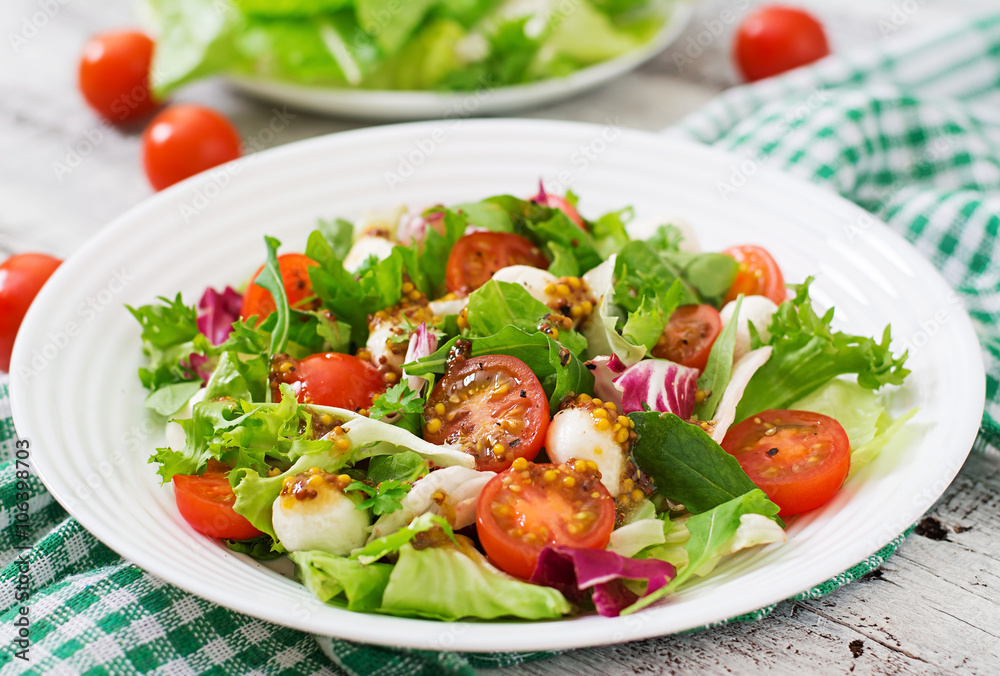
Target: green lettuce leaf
341 581
391 544
238 379
859 411
497 305
645 325
609 231
808 353
711 535
601 327
719 368
454 581
685 464
405 466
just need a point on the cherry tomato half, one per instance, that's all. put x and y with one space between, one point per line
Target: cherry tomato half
294 268
475 258
758 274
689 335
529 506
206 503
776 39
329 379
21 278
492 406
799 458
184 140
114 75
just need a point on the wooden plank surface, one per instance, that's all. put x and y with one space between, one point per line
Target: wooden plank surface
933 608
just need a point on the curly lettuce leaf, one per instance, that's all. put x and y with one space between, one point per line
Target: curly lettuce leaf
342 581
808 353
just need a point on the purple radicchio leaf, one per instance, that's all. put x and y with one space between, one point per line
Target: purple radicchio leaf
217 313
198 364
423 343
573 570
605 370
660 384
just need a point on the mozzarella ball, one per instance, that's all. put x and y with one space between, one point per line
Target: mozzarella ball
756 309
380 222
176 439
573 435
328 521
364 248
534 280
385 351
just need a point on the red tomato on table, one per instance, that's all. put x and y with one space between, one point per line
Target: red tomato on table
21 278
529 506
114 75
493 407
206 503
689 335
799 458
475 258
758 274
776 39
294 268
184 140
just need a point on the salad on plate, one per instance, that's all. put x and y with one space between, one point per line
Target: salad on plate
441 45
503 409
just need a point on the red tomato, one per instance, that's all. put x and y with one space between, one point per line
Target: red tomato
475 258
758 274
689 335
493 407
206 503
775 39
294 268
529 506
331 379
114 75
800 459
184 140
21 278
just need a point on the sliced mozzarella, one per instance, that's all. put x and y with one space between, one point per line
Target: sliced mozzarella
329 522
451 493
176 439
364 248
572 435
380 222
756 309
534 280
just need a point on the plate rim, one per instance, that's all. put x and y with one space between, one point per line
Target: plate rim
20 402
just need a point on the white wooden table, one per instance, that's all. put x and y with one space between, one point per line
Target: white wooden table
933 608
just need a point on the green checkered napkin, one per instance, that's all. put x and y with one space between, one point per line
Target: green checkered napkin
909 131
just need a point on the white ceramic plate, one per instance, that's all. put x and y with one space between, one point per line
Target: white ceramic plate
75 394
420 105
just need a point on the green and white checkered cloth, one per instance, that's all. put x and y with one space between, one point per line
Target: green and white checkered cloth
909 131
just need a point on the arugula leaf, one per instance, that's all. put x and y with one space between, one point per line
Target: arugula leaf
431 254
397 399
260 547
270 279
709 532
558 369
808 353
339 234
564 263
390 544
559 229
486 214
645 325
666 239
384 498
405 466
719 368
609 231
685 464
640 273
169 337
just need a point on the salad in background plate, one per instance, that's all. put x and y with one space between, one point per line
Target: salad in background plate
504 409
440 45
